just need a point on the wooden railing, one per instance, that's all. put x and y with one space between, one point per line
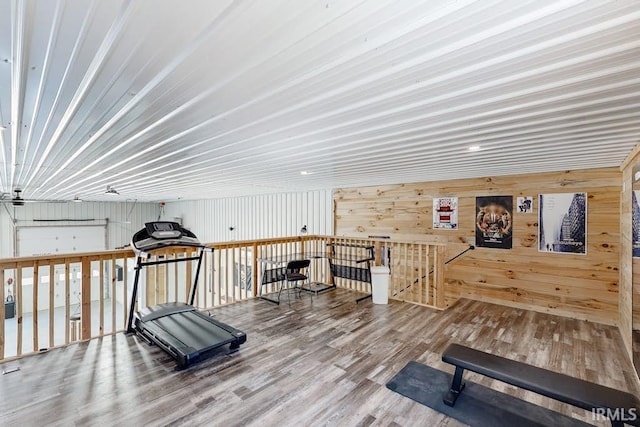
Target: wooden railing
56 300
55 296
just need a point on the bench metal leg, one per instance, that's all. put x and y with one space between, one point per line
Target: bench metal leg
363 298
456 388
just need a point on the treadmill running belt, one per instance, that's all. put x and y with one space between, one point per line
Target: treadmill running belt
194 331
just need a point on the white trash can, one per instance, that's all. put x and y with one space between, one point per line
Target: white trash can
380 284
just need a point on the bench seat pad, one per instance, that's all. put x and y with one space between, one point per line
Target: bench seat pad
577 392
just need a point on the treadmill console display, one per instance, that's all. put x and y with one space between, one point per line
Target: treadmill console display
163 234
164 230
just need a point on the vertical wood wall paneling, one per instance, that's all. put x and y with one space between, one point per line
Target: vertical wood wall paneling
579 286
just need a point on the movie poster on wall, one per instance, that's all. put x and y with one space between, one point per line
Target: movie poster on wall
445 213
494 222
562 223
635 220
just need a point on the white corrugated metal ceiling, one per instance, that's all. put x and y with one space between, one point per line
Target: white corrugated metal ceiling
199 99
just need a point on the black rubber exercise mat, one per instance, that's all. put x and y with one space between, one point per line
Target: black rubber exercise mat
477 406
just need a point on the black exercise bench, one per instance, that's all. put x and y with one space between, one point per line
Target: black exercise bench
619 406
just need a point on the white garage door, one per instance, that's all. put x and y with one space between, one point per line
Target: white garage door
42 240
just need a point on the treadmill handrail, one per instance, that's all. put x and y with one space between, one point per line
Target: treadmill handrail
143 235
146 253
168 261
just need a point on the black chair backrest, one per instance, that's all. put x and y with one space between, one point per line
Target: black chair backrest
296 265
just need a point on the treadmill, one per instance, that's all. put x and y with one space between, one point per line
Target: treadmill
178 328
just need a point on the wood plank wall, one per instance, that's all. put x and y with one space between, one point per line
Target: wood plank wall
578 286
626 270
629 300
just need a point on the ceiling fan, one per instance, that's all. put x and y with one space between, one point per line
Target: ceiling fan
18 200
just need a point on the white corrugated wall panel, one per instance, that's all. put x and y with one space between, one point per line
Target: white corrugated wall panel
123 218
255 217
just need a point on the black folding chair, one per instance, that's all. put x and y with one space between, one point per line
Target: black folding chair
294 273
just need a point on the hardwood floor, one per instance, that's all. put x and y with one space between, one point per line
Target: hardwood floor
320 363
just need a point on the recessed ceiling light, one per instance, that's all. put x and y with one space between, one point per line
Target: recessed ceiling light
474 148
305 173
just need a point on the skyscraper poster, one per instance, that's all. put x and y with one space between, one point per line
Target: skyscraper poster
562 223
494 222
445 213
635 207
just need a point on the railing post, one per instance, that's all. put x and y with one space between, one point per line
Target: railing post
34 309
101 280
52 283
125 279
85 311
377 253
114 286
439 276
188 280
255 274
67 299
18 298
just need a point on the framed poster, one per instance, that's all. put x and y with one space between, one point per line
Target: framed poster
635 221
525 204
445 213
562 223
494 222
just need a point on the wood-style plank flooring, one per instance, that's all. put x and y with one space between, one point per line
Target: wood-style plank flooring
320 363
